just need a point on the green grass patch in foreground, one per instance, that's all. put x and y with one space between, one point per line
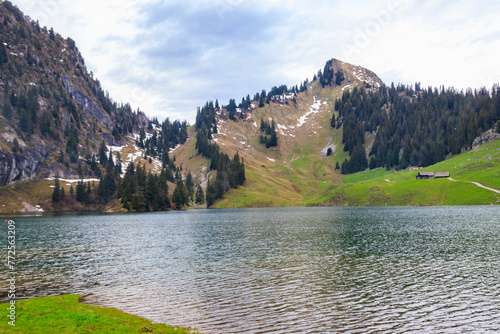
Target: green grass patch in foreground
65 314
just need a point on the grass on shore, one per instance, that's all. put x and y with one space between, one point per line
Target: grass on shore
65 314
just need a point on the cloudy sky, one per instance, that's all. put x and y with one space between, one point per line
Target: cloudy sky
168 57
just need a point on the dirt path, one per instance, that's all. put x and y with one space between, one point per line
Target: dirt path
477 184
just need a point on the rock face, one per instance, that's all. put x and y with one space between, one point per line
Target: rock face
485 137
89 106
15 167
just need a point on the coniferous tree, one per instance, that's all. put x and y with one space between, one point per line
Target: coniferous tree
190 185
211 193
103 159
4 58
7 109
56 194
118 165
15 146
200 198
180 197
72 145
80 191
151 193
164 201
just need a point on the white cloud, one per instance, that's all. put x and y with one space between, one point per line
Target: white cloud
169 57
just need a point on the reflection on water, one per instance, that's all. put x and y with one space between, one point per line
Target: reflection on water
290 270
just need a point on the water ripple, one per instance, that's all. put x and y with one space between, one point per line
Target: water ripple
298 270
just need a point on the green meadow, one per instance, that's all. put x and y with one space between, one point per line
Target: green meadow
65 314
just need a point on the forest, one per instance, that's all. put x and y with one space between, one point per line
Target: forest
413 126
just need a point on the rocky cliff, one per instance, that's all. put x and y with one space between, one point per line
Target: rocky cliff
46 94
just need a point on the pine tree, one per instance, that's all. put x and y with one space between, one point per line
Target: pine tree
56 194
118 165
80 191
151 193
211 193
164 201
200 198
72 145
103 159
3 54
15 146
7 109
190 184
180 197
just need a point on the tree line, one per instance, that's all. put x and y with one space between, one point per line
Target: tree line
413 126
229 173
269 136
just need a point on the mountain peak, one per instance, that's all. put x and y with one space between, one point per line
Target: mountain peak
344 74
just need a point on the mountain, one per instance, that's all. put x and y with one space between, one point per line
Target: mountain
297 170
47 95
343 138
57 121
345 121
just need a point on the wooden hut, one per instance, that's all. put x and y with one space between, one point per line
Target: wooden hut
425 175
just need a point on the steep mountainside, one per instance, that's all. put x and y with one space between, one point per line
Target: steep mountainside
55 114
47 95
297 144
297 170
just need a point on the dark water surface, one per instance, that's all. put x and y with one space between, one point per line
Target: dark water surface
283 270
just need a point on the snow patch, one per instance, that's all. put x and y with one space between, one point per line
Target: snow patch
271 159
115 148
71 180
173 149
313 110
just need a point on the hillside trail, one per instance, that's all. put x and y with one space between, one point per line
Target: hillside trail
477 184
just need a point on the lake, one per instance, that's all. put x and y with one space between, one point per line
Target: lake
277 270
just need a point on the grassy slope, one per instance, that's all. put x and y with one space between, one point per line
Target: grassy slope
300 176
382 187
65 314
299 172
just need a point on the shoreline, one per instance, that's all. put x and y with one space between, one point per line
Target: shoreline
70 314
309 205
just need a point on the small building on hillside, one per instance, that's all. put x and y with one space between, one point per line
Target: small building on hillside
442 175
425 175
